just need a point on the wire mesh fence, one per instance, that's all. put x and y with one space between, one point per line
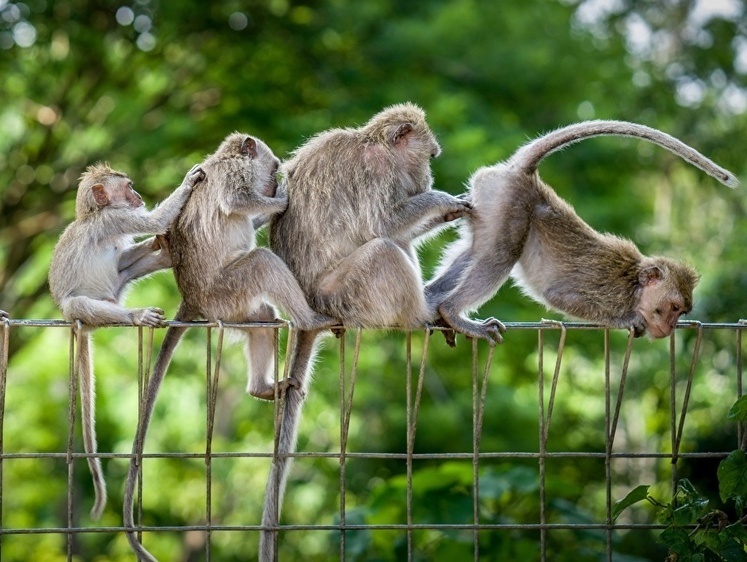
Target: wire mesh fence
474 527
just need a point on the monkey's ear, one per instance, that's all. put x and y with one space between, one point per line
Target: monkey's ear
99 195
399 137
249 147
649 275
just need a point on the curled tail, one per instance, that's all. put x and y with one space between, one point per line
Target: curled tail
171 340
302 357
531 154
88 421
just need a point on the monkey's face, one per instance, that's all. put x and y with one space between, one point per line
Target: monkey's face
662 304
118 192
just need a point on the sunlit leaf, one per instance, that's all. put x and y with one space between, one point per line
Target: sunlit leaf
738 411
634 496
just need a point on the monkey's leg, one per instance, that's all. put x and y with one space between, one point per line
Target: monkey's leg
470 291
261 272
260 356
447 280
377 285
95 312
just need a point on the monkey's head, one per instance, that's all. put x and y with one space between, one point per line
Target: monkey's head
403 132
258 165
100 186
666 294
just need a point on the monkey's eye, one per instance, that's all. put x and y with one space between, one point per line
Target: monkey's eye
676 308
657 311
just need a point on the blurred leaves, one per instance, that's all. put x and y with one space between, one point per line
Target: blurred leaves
152 87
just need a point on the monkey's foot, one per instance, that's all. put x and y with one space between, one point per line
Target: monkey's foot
318 322
489 330
448 332
151 316
268 393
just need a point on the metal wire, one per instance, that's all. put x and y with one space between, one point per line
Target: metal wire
480 376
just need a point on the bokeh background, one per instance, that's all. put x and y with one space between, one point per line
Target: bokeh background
152 87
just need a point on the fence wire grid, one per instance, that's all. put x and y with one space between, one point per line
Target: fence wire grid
550 352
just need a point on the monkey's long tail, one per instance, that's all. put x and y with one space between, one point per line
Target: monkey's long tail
88 415
530 155
301 360
171 340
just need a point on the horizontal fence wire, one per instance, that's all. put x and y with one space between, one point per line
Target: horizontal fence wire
548 381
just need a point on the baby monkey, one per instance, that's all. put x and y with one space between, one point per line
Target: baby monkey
521 228
222 276
93 261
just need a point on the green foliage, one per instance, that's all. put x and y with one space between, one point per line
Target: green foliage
152 87
695 530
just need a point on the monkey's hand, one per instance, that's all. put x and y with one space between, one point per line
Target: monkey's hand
462 206
195 176
151 316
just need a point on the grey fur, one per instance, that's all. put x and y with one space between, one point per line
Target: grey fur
521 228
357 201
92 263
222 276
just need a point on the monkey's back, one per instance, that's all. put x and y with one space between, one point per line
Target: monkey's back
337 200
202 241
597 267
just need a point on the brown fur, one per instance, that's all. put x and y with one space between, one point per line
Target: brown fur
222 276
520 227
357 200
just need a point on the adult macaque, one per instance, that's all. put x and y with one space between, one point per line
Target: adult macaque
520 227
222 276
92 263
357 200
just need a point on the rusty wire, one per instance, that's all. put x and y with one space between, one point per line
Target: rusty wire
413 400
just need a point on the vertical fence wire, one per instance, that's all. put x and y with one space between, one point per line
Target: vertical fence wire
5 341
413 407
211 393
741 425
677 427
478 411
346 411
546 405
143 376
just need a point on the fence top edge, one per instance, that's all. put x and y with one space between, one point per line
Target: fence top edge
541 325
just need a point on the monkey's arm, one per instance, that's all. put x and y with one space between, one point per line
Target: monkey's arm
423 212
258 206
143 259
135 252
159 219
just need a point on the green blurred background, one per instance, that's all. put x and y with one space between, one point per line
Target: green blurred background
151 87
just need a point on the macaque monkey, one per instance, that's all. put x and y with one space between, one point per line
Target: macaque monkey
92 263
520 227
222 276
357 200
